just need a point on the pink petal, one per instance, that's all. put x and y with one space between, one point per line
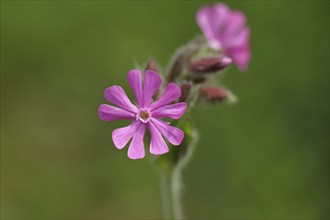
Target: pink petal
204 19
157 144
111 113
212 21
152 83
241 39
172 134
221 14
171 93
136 148
117 96
241 57
134 79
174 111
236 22
121 136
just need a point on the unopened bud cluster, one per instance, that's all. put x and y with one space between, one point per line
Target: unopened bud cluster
195 66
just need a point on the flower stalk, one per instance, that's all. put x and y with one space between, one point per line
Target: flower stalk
170 172
171 194
184 71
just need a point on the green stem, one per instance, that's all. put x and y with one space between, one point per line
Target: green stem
176 191
171 165
171 194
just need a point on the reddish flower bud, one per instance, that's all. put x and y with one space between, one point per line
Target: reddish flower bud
152 65
176 69
185 90
182 57
209 65
214 94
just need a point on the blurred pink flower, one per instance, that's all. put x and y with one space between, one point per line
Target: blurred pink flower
226 30
146 114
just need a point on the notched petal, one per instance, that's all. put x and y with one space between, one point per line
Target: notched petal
121 136
134 79
117 96
172 134
152 82
158 145
111 113
174 111
171 93
136 148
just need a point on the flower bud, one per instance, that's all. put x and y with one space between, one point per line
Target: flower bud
209 65
212 94
185 91
152 65
176 68
182 57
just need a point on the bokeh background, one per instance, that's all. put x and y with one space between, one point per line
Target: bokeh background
267 157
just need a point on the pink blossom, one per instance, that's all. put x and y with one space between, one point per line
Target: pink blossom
226 30
146 114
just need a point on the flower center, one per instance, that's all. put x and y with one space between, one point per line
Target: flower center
143 115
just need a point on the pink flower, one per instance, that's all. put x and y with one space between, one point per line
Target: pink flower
226 30
146 114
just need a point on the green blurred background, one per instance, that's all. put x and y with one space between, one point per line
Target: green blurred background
265 158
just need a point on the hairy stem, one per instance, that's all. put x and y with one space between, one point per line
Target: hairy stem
181 57
171 178
171 193
170 173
